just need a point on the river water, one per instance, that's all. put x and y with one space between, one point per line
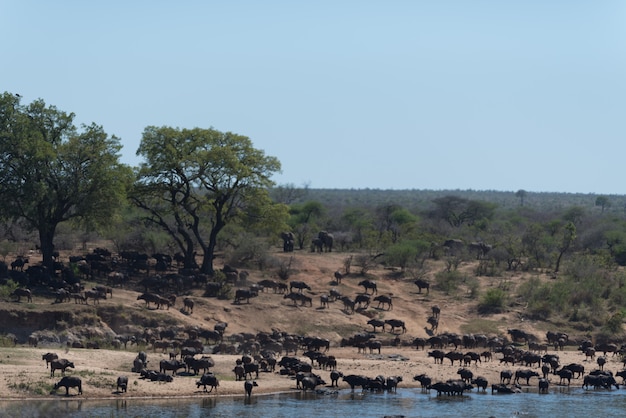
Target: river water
573 402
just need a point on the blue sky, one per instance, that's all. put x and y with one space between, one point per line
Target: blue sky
484 95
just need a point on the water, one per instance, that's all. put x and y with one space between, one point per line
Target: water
574 402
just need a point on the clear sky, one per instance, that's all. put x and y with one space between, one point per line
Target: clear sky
442 94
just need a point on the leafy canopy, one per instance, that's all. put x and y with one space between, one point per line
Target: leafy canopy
195 181
51 172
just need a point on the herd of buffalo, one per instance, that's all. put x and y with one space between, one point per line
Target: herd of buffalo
265 351
304 358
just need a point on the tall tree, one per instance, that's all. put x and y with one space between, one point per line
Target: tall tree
303 220
603 202
50 172
195 181
567 238
458 211
521 193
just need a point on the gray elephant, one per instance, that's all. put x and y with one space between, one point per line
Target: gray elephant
317 245
327 241
289 241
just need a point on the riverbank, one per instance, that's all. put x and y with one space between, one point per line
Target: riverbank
24 373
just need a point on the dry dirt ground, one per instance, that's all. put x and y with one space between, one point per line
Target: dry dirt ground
24 373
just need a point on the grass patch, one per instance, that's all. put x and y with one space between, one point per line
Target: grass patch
480 326
31 386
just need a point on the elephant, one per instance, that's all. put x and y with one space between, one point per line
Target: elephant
288 241
326 240
317 245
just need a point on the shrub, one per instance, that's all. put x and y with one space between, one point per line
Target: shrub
448 282
7 289
493 301
614 323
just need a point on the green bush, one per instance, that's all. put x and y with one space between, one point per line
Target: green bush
493 301
449 281
7 289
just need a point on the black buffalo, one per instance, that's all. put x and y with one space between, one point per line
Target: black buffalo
208 379
122 382
525 374
49 357
355 380
395 323
173 365
60 364
70 382
248 385
310 382
241 294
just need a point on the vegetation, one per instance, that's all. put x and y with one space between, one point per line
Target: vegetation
50 172
560 256
195 182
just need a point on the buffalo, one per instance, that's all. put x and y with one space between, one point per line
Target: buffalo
395 323
300 286
334 377
21 292
241 294
60 364
248 385
525 374
480 382
49 357
376 323
422 284
208 379
196 364
603 381
355 380
369 284
122 382
173 365
384 300
424 380
310 382
70 382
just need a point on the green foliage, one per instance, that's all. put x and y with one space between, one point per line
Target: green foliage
401 254
449 282
614 325
53 173
603 202
247 250
473 287
493 301
487 268
458 211
7 289
196 181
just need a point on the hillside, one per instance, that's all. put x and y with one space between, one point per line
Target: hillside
56 324
123 313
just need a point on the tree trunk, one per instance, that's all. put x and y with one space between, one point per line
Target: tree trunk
46 244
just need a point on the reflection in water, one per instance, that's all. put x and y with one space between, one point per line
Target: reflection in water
561 401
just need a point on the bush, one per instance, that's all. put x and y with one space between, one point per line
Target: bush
614 323
493 301
401 254
539 310
448 281
7 289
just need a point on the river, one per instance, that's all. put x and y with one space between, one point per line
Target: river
574 402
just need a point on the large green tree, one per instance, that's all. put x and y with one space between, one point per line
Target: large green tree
195 181
52 172
458 211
